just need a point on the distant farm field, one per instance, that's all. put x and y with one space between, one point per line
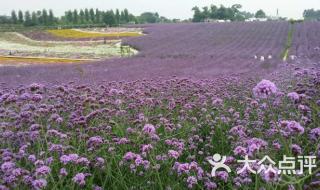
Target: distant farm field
201 49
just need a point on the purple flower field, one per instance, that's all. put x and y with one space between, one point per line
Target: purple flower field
186 50
156 120
306 41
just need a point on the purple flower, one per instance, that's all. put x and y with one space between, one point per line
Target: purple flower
296 149
2 187
83 161
63 172
95 141
295 97
254 145
239 131
191 181
35 86
7 166
129 156
149 129
315 134
39 183
291 127
43 171
210 185
65 159
173 154
36 98
264 88
97 188
270 175
79 179
100 162
222 175
146 148
239 150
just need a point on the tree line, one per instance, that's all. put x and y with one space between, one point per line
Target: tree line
311 14
232 13
79 17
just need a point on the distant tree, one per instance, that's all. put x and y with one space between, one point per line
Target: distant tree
232 13
122 18
311 14
5 19
117 16
14 17
126 15
197 15
51 19
213 12
69 17
75 17
222 13
20 17
109 18
149 17
45 17
260 14
39 17
236 7
34 18
132 18
92 15
82 16
237 15
98 16
205 12
27 19
87 15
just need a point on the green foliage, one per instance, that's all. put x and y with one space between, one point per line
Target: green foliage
27 19
232 13
109 18
149 17
14 17
20 17
75 18
260 14
311 14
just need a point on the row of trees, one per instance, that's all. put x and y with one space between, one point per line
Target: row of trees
311 14
27 18
97 16
232 13
80 17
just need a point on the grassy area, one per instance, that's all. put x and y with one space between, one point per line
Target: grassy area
71 33
285 52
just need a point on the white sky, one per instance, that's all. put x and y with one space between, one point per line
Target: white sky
169 8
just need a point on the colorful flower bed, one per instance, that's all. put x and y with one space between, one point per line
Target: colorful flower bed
16 47
9 60
72 33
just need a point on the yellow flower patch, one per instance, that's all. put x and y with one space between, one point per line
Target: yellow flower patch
15 59
70 33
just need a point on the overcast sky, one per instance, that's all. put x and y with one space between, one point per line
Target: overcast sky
169 8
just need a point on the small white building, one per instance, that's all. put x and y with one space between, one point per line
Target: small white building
256 19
